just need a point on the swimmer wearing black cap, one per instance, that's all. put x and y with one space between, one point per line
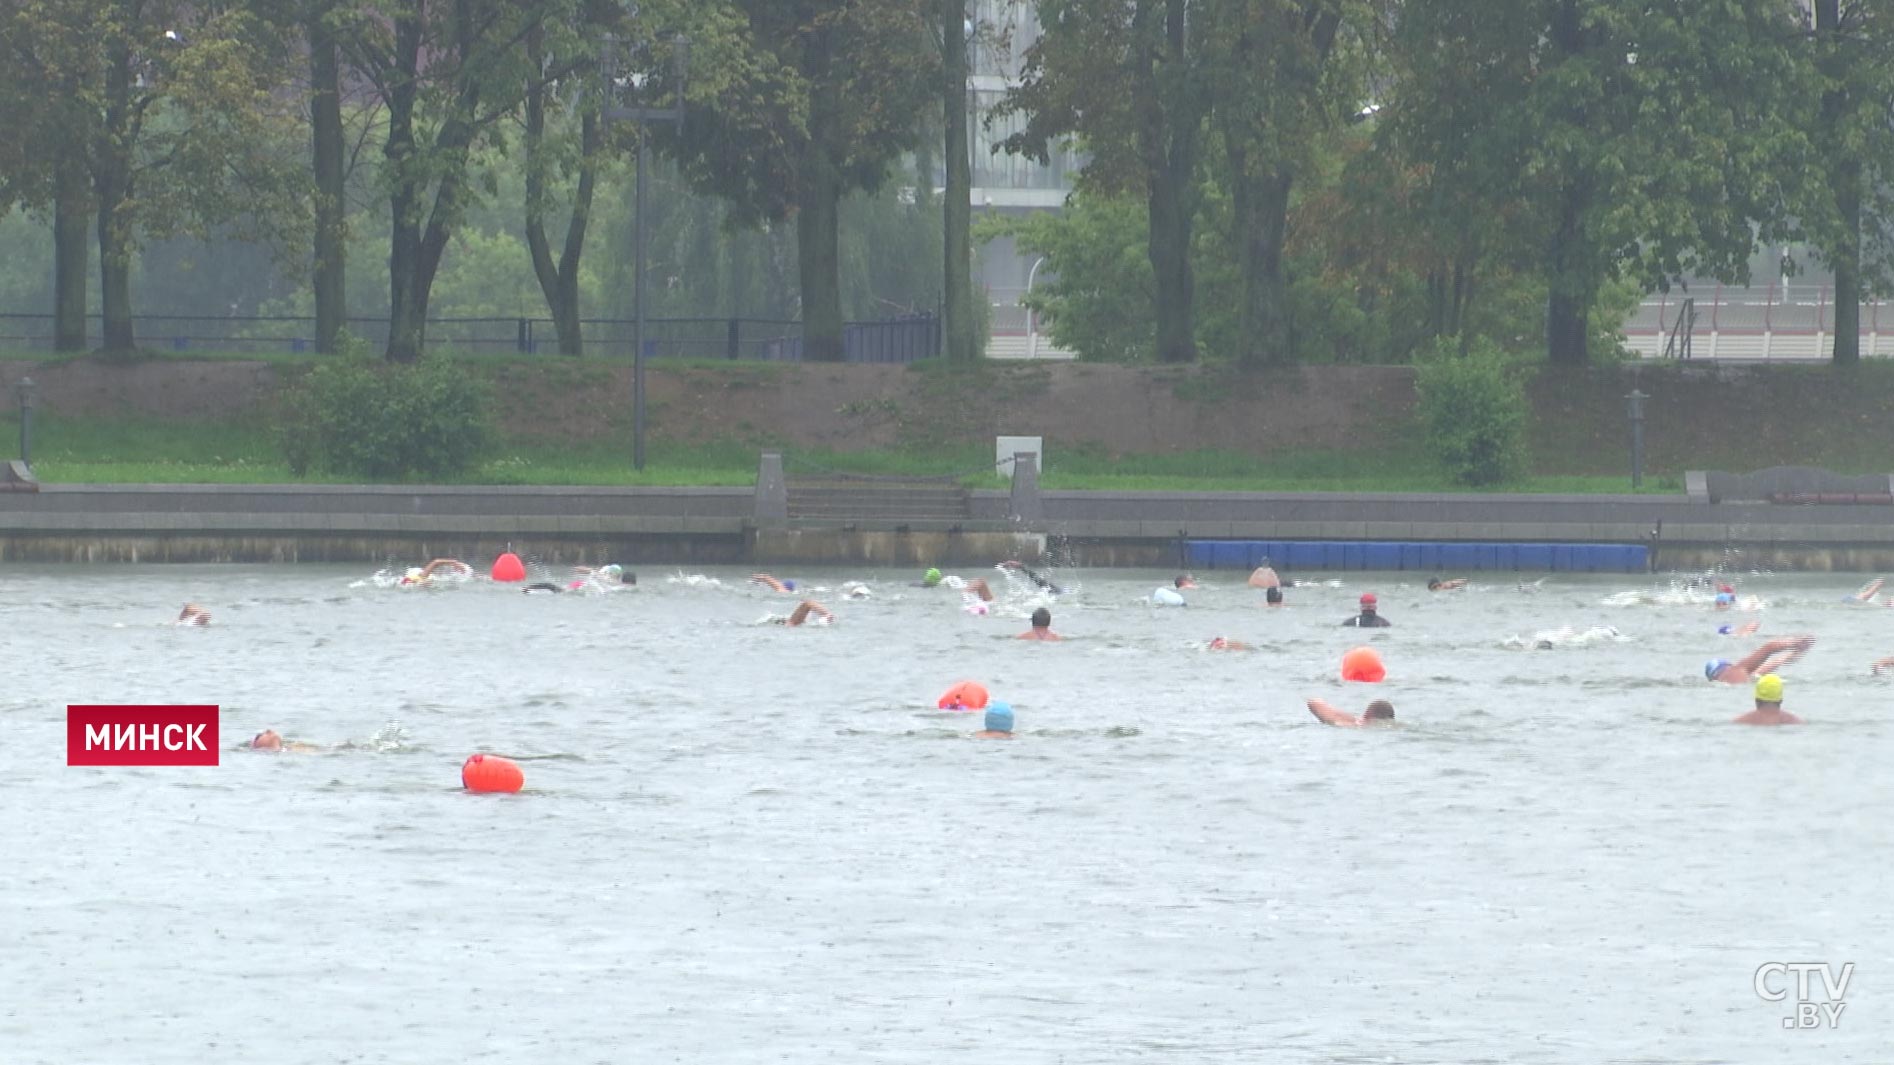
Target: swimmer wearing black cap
1379 712
1041 627
1037 579
1435 584
1368 619
1272 596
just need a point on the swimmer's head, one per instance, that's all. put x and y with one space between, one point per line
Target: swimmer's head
1724 630
999 717
1724 589
1769 689
789 586
1042 618
267 740
1433 584
1272 595
628 577
413 574
1219 643
1724 598
1368 602
1713 667
1379 710
930 578
1182 580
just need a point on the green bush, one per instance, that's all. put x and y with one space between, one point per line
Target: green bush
1473 409
360 417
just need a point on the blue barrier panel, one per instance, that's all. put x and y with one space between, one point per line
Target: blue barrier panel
1444 558
1534 556
1381 556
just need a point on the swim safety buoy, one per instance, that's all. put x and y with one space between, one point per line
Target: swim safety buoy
966 695
490 772
1363 664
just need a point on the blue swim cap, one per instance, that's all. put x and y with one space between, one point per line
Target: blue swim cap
1724 630
789 586
1725 597
999 717
1712 667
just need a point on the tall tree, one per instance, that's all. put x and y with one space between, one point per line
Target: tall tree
1277 91
448 72
805 101
1608 135
43 64
1127 78
957 212
1846 211
329 270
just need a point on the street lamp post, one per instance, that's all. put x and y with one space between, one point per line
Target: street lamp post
636 112
1635 403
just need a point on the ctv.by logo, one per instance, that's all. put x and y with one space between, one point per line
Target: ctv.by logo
1772 985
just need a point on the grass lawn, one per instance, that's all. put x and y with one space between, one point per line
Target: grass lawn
74 450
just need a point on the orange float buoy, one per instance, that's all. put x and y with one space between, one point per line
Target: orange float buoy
966 695
1363 664
490 772
508 567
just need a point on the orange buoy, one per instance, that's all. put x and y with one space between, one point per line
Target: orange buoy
966 695
490 772
508 567
1363 664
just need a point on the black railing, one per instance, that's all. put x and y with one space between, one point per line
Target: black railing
900 340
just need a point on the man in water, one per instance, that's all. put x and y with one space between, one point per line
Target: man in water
1379 712
772 583
192 614
424 574
1770 657
1041 627
999 723
807 609
1036 578
1183 580
1221 644
1435 584
1368 619
1769 709
270 740
1272 597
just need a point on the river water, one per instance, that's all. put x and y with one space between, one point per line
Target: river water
750 843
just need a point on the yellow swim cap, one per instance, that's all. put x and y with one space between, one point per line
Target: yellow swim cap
1769 688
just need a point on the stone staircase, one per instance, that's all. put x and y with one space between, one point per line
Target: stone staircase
841 501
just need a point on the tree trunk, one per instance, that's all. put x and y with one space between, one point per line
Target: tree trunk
1170 135
71 243
1571 283
1844 182
329 272
112 186
957 212
1261 215
558 281
818 260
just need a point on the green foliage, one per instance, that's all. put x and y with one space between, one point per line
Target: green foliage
361 417
1473 410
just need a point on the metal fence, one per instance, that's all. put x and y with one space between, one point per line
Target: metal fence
1772 323
899 340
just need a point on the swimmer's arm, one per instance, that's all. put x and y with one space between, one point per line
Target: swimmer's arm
1883 665
807 607
766 579
1796 646
1328 715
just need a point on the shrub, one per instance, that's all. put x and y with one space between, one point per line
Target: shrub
1474 411
360 417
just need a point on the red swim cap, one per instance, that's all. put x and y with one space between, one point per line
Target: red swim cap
1367 599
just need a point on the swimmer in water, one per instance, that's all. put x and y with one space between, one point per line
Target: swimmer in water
1885 665
1768 709
806 610
1770 657
1379 712
610 572
270 740
1221 644
1272 597
1865 594
192 614
542 586
999 723
1037 579
1724 601
1435 584
1368 619
772 583
1041 627
1747 628
1183 580
426 573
